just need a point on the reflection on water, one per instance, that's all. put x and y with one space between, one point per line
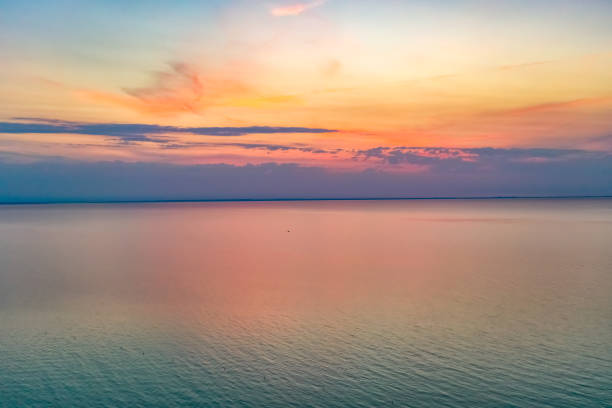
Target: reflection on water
412 303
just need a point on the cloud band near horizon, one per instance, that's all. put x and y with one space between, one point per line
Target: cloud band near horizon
58 180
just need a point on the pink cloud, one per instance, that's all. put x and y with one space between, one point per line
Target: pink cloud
295 9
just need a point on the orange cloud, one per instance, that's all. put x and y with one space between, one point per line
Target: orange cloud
295 9
182 88
574 103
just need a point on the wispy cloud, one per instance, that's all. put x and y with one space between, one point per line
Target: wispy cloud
180 88
295 8
185 88
138 132
567 104
510 67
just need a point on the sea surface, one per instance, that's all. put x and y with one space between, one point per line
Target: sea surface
415 303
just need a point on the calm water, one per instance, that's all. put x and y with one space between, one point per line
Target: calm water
492 303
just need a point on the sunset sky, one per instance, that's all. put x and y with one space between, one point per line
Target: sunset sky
273 99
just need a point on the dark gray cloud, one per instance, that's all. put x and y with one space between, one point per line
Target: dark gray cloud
254 146
444 159
135 132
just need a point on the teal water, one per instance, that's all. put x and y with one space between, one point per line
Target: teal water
458 303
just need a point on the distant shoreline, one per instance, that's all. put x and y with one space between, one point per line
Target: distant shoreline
240 200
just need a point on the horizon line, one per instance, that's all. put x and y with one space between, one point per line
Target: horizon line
303 199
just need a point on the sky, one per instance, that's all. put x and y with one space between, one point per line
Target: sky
221 99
